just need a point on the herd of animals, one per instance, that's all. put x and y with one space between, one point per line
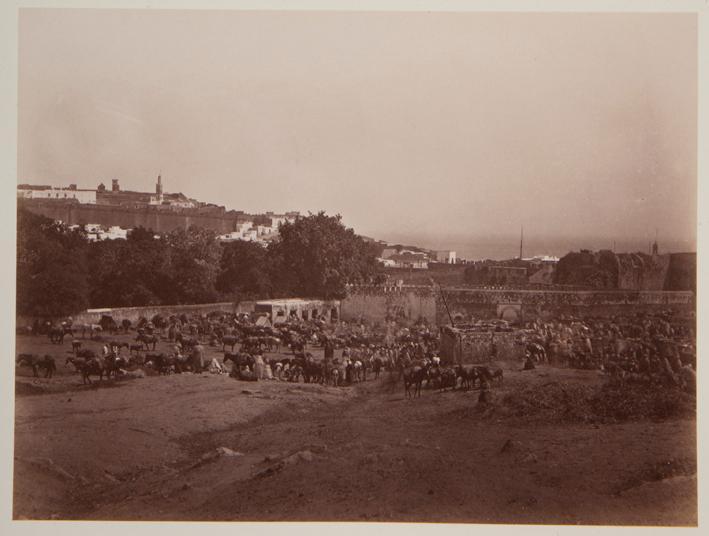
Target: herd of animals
408 353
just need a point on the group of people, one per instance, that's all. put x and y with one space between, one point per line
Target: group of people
656 348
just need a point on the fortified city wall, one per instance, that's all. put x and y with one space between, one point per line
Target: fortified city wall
160 221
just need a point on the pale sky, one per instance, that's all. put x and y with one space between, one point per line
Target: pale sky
444 126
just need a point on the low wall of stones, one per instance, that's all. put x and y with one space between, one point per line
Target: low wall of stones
92 316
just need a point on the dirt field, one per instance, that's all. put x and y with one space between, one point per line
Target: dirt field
208 447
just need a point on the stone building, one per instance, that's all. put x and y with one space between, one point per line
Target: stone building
281 310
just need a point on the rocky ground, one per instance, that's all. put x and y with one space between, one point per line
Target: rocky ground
208 447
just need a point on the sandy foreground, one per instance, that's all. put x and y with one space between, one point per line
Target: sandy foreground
208 447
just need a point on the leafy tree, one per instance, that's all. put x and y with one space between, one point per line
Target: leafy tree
194 261
316 255
585 268
132 272
243 270
51 267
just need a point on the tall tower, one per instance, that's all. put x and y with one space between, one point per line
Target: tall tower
521 241
655 247
158 186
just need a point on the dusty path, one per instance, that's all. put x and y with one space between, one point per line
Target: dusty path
147 449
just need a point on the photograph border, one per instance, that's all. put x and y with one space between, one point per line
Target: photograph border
8 160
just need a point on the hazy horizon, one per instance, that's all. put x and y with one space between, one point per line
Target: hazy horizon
507 247
445 127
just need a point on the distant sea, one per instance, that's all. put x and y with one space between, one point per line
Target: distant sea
499 248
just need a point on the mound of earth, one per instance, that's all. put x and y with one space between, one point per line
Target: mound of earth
556 402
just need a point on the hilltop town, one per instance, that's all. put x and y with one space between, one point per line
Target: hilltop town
110 213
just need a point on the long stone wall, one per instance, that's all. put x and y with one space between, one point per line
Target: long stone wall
128 218
411 303
92 316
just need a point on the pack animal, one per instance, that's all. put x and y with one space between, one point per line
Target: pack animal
36 362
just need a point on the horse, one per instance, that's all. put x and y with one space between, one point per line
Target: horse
498 374
448 379
91 328
467 376
377 367
228 340
86 353
239 359
413 376
36 362
312 372
92 366
272 342
113 364
147 340
56 335
484 374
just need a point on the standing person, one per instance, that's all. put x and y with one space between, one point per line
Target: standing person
259 366
329 350
198 358
327 358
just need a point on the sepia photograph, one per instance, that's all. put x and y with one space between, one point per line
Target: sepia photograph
391 266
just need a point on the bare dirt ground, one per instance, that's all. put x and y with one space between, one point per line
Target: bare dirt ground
208 447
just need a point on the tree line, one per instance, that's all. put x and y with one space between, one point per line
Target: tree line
61 272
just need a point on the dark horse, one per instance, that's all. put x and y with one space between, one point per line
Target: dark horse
36 362
92 366
414 376
147 340
239 359
56 335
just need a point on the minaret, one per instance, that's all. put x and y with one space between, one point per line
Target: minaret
521 241
655 247
158 186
